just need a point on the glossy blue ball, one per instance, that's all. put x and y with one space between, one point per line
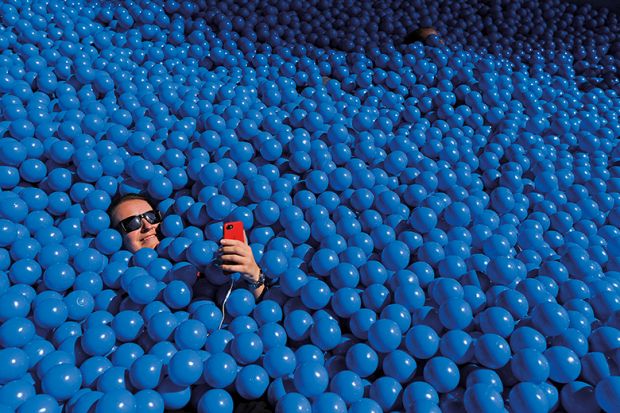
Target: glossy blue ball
564 364
607 393
362 359
384 335
329 402
62 381
38 403
16 393
455 313
149 401
325 334
442 374
246 348
395 256
527 397
457 345
399 365
251 382
550 319
220 370
311 379
492 351
293 402
578 396
482 397
185 368
215 401
485 376
315 294
126 354
422 341
16 332
177 294
423 219
530 365
98 340
279 361
347 385
496 320
146 372
117 400
50 313
14 362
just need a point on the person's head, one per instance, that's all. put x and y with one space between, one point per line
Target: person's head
137 218
423 34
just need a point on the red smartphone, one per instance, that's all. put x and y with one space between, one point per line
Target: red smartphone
234 230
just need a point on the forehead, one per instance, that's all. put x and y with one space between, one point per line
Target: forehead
129 208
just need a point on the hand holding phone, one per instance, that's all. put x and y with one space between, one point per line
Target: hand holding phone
234 230
236 254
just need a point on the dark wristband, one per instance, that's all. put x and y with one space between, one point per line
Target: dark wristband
253 285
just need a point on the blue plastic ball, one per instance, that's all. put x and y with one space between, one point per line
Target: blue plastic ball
578 396
251 382
149 401
442 374
293 402
607 393
62 381
564 364
38 403
550 319
482 397
384 335
457 345
362 359
185 368
422 341
492 351
530 365
118 400
215 401
220 370
527 397
325 333
399 365
311 379
145 372
98 340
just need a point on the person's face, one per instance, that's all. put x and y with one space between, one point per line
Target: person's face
144 237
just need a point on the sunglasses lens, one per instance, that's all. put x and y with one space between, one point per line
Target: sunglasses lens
132 223
135 222
152 217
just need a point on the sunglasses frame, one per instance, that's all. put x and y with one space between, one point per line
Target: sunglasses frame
156 213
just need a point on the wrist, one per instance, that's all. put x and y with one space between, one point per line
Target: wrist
256 282
255 274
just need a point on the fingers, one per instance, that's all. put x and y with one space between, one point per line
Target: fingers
231 242
239 259
250 271
236 268
233 250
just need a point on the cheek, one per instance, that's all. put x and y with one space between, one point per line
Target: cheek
131 239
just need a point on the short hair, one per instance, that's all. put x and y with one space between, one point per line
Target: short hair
119 199
418 35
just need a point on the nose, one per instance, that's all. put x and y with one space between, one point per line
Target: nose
146 225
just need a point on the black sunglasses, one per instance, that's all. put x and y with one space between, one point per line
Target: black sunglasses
134 222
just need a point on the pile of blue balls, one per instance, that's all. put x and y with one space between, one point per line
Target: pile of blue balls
440 219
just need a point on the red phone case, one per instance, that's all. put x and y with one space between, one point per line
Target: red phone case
234 230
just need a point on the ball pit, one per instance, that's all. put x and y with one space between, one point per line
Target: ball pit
439 218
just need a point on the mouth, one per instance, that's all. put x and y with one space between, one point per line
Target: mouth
149 238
